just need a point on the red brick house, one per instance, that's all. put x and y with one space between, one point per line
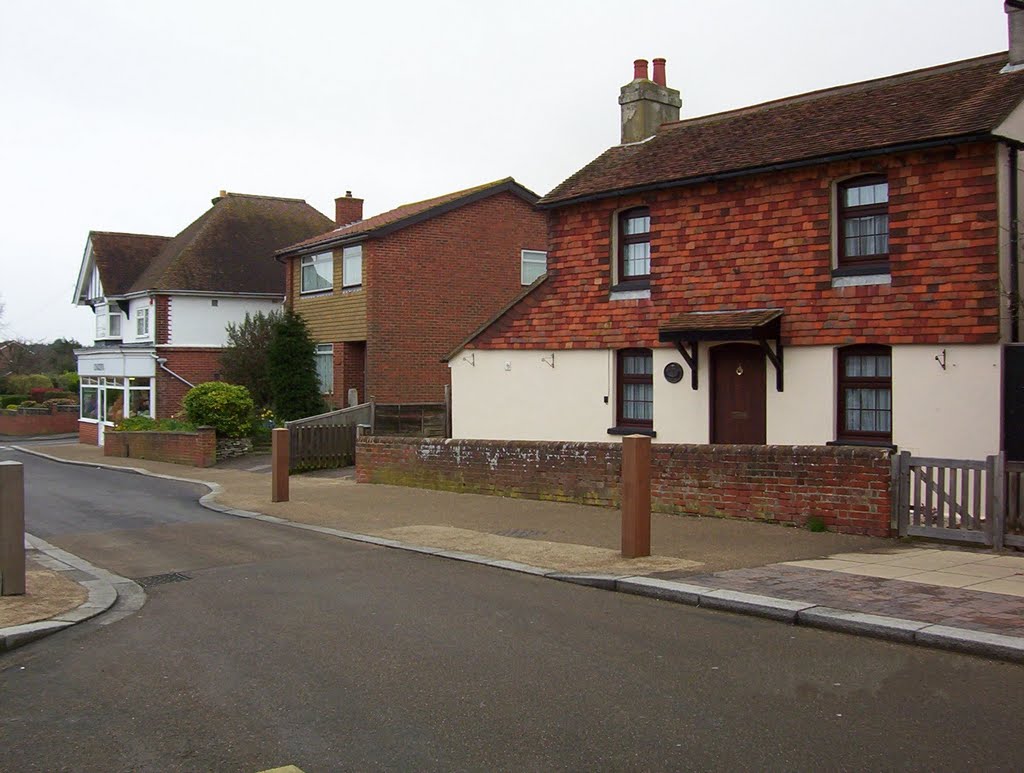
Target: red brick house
163 304
838 267
387 296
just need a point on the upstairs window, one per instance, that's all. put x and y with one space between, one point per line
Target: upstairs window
533 265
142 323
635 244
352 266
864 223
865 393
114 325
636 389
317 273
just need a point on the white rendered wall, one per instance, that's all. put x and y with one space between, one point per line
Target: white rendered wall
129 334
952 413
195 321
116 362
513 395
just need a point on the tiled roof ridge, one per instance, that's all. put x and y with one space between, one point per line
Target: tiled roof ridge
829 91
422 206
258 196
97 232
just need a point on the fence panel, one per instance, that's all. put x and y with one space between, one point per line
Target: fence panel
356 414
321 447
411 419
1014 523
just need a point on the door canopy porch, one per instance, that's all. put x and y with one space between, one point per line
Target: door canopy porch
760 325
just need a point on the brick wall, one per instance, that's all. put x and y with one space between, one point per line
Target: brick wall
432 284
198 449
194 364
765 241
27 424
88 433
162 333
848 488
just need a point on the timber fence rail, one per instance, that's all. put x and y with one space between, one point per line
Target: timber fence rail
321 447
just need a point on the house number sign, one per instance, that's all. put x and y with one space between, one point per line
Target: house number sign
673 373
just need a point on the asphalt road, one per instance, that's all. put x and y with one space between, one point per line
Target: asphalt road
287 647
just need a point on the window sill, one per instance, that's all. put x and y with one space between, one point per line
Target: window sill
632 431
351 288
860 280
305 293
632 284
863 443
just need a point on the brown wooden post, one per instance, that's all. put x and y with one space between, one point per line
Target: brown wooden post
279 465
12 529
636 496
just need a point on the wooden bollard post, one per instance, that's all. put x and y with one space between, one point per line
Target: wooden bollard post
12 529
279 465
636 496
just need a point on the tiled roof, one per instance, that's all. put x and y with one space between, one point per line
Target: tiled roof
121 258
953 100
702 321
407 214
230 248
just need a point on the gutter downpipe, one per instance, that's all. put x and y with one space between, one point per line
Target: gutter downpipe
1014 247
161 360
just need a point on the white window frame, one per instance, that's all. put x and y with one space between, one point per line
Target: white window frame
352 255
529 258
113 318
322 350
142 322
320 258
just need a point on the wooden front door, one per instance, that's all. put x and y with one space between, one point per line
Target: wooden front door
738 394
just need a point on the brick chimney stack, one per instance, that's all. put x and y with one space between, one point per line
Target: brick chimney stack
347 209
647 104
1015 23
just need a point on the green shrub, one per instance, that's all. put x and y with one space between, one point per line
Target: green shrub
292 366
29 404
146 424
7 399
24 384
228 408
68 381
61 401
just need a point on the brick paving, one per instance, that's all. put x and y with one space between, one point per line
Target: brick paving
959 607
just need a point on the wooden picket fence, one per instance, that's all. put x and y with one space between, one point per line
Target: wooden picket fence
961 500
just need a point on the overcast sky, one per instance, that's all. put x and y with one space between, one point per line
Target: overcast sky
122 115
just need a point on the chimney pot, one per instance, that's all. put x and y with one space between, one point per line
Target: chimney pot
640 70
659 71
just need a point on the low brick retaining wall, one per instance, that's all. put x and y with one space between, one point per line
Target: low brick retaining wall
27 424
847 487
198 449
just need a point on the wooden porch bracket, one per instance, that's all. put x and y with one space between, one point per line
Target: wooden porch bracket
776 359
691 360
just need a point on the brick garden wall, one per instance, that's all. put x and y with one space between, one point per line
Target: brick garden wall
848 488
27 424
198 449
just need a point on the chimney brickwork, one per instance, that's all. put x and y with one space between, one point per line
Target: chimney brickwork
1015 24
347 209
647 104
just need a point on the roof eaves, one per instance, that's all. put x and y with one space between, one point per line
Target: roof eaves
501 313
776 167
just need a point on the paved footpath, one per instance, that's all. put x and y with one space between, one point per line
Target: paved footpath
966 600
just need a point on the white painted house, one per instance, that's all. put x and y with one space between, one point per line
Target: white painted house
163 304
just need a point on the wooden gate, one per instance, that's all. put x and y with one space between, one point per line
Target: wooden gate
961 500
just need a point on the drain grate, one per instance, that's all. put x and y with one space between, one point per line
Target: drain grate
161 579
521 533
